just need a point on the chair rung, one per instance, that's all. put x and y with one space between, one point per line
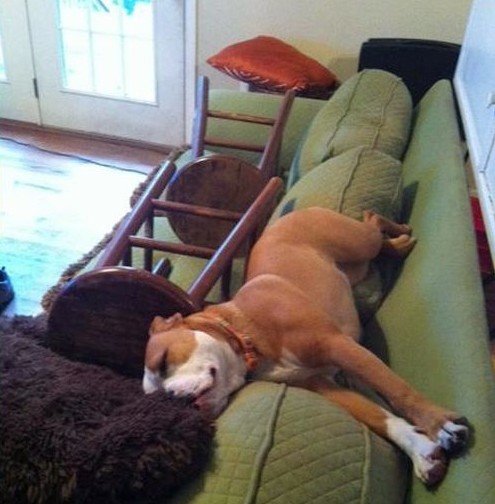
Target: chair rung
200 211
217 142
234 116
175 248
163 267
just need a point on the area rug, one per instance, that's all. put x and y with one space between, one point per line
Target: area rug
73 269
79 433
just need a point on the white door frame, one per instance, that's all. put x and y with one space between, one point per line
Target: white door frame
190 64
19 104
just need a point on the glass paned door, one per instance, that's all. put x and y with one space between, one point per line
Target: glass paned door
114 67
108 48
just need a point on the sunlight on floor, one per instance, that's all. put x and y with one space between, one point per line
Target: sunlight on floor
51 213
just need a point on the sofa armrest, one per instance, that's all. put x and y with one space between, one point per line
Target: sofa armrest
432 327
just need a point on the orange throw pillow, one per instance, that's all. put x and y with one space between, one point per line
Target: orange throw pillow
270 64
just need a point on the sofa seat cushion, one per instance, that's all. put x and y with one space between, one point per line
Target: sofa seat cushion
281 444
186 269
431 328
360 179
372 109
264 105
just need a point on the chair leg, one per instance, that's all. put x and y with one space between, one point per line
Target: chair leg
200 117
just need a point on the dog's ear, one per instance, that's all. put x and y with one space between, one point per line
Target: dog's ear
161 324
155 360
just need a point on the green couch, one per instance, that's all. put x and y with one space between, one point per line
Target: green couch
278 444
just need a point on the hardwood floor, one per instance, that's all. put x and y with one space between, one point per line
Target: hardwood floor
53 209
107 153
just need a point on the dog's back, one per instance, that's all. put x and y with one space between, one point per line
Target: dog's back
319 252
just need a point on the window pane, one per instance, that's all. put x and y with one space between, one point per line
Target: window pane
77 62
139 69
105 17
107 63
108 47
139 22
74 14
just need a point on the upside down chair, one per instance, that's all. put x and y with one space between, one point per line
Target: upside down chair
216 204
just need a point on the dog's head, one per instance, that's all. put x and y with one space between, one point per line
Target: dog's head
191 363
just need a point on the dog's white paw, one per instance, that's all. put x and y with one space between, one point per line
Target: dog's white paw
430 463
453 437
428 457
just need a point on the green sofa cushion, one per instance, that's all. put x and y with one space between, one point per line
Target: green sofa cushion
373 109
265 105
282 444
360 179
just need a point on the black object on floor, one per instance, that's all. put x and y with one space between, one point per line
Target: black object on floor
6 289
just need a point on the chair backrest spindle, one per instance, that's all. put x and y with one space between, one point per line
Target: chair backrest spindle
269 151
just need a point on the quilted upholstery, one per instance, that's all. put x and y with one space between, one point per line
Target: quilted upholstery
278 444
372 109
359 179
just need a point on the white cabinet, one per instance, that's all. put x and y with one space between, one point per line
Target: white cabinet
475 88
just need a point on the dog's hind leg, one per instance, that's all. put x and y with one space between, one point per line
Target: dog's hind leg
386 226
399 246
397 241
428 457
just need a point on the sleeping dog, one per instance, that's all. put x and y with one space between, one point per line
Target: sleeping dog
295 321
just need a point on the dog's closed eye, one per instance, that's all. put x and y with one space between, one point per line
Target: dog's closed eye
162 370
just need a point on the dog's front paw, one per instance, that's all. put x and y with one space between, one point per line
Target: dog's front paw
453 436
430 465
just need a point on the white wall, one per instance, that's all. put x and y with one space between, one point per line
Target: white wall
331 31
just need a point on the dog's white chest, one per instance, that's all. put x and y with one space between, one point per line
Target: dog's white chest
286 370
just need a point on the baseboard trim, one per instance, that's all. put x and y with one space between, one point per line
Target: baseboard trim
163 149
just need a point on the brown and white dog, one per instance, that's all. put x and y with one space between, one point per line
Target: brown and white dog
295 321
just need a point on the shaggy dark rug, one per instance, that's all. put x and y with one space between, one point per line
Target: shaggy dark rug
79 433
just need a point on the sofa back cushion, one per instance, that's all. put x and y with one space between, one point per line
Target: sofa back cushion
359 179
372 109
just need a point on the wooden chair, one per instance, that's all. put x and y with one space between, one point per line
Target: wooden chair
269 152
103 316
222 181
